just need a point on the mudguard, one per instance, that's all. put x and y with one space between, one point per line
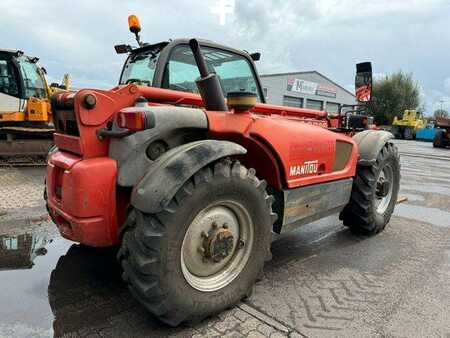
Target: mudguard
169 172
370 143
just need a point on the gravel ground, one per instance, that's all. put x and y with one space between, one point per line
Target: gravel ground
322 281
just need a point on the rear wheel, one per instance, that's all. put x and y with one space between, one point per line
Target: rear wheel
408 133
202 253
374 193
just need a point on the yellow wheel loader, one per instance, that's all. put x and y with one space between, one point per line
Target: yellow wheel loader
25 113
406 127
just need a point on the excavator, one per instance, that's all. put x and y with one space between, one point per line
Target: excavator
26 125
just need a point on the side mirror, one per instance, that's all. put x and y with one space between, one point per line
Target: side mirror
122 49
363 82
255 56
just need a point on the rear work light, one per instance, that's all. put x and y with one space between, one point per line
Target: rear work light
132 120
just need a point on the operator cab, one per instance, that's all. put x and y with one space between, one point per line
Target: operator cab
171 65
20 76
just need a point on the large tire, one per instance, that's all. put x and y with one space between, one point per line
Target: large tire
408 133
367 213
153 250
438 139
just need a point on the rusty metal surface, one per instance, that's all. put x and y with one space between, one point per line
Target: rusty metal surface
27 130
25 147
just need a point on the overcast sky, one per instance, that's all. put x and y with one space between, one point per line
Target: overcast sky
329 36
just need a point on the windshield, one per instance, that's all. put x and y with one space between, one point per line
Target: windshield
34 83
233 70
140 68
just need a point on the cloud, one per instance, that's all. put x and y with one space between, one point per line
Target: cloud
447 85
328 35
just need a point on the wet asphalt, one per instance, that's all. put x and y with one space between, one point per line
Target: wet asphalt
322 280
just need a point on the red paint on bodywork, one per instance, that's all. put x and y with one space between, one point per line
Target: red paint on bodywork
68 142
85 209
291 142
82 191
175 97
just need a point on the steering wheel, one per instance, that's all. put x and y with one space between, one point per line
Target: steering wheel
138 81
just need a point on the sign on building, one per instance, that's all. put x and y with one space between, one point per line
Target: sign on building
309 87
324 90
301 86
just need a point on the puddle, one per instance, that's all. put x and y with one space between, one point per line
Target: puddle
26 262
419 213
56 288
44 282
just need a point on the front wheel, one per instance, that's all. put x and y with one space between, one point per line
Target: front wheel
204 251
374 193
408 133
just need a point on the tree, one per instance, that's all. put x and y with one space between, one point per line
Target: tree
440 113
392 95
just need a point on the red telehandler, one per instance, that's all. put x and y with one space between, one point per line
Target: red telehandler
186 168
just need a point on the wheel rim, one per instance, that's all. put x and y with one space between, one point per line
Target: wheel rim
217 245
383 201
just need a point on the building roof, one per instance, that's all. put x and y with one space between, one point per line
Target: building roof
309 72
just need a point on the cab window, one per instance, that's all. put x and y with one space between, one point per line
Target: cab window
140 68
8 81
34 85
234 71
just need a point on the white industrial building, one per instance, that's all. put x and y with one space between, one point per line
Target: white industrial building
308 89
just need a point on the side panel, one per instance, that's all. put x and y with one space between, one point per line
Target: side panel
307 204
82 198
9 103
306 154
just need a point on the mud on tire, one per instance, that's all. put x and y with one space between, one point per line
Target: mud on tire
362 214
152 244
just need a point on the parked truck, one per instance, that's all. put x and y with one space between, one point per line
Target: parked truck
442 136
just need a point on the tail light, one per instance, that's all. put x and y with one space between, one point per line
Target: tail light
131 120
58 182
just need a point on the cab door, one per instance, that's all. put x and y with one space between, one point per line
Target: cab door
10 101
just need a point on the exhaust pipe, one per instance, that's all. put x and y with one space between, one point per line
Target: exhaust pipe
208 84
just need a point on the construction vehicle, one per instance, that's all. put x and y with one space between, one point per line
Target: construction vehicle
25 111
192 186
406 127
19 251
442 136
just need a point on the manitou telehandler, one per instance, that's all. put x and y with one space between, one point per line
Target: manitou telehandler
192 186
